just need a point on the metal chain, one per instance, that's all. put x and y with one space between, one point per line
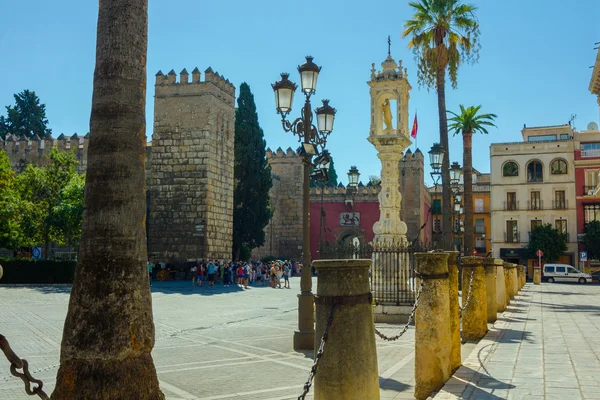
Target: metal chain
463 308
410 318
19 363
318 356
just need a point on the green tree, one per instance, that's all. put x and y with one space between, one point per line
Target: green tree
591 240
41 191
444 34
27 117
108 334
374 180
252 174
9 206
548 239
67 216
333 177
467 123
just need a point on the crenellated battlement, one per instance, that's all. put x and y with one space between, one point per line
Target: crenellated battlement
186 87
340 189
22 151
280 155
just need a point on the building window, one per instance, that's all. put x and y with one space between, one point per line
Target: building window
479 206
436 206
591 212
479 226
512 232
560 201
511 201
437 226
591 179
510 169
480 242
564 136
535 223
542 138
536 202
561 225
535 172
558 167
590 149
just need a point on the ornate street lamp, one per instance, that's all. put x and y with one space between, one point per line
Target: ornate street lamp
312 138
455 174
436 156
353 176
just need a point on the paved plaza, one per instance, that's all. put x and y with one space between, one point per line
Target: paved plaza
229 343
222 343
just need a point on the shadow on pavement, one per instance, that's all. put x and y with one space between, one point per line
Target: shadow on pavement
44 288
186 288
393 385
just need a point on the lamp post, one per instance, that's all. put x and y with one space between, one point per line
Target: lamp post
353 177
321 175
311 138
436 156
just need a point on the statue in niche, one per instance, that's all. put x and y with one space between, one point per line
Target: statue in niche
387 114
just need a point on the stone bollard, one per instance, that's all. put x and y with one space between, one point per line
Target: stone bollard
432 336
455 346
500 286
507 282
537 275
348 367
490 289
474 316
515 279
523 276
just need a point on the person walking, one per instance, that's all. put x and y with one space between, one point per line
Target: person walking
200 275
211 273
240 275
194 271
286 275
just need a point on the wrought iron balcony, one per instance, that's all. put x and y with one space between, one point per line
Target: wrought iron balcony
560 205
535 205
511 237
511 205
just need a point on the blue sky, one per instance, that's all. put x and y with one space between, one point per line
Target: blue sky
533 67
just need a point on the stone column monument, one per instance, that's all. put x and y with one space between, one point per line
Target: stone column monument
389 134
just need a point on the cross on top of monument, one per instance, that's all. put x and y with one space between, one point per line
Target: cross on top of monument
389 46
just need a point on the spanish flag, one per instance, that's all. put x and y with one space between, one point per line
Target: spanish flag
415 127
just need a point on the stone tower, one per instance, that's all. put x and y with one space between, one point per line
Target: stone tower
191 176
389 134
283 234
415 197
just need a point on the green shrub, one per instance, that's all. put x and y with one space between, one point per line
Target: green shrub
37 271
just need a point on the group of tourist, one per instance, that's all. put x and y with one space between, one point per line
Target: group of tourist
243 274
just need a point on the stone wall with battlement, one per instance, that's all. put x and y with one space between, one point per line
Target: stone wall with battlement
283 235
190 188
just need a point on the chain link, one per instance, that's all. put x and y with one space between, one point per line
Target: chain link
19 363
463 308
410 318
318 356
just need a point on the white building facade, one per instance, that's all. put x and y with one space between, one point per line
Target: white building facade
533 183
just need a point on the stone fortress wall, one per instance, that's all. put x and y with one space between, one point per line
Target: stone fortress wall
189 166
191 169
283 235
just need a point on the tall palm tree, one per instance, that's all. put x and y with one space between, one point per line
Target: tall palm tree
444 33
109 334
467 123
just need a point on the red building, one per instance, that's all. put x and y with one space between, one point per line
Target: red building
587 178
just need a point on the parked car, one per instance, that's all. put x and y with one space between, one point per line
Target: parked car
595 276
564 273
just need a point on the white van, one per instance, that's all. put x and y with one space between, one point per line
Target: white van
564 273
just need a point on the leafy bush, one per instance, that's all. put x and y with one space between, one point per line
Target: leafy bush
37 271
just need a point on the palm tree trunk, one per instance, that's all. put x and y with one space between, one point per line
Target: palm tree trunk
109 334
446 202
468 191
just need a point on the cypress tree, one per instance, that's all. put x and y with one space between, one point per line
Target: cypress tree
252 175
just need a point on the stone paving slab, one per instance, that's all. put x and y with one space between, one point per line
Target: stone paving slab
545 346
